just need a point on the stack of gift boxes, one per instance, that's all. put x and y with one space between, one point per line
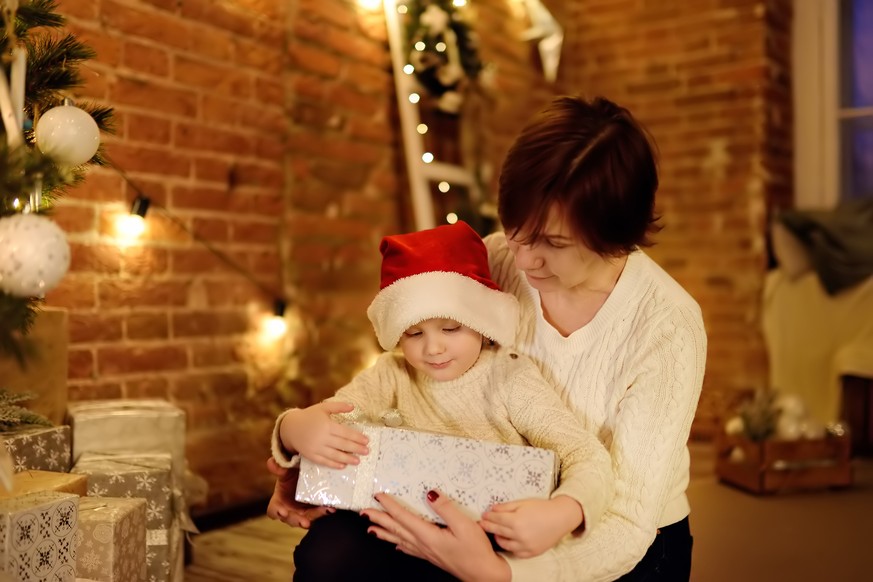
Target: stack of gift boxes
99 498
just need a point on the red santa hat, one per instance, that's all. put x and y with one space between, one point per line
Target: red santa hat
441 272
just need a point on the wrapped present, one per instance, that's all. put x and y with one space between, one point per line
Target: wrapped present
30 481
144 426
37 536
39 447
407 463
111 541
138 475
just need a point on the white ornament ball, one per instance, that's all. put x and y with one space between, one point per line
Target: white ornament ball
68 134
34 255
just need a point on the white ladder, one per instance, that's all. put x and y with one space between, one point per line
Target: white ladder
422 174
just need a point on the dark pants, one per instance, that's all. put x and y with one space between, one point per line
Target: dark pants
668 559
338 548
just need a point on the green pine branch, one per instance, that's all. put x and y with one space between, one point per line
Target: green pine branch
53 62
13 416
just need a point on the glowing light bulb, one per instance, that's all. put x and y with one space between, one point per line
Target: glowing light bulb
129 227
444 187
402 9
369 4
459 3
420 46
414 97
451 218
440 47
422 128
408 69
427 157
275 327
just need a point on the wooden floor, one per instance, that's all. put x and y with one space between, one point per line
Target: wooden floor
254 550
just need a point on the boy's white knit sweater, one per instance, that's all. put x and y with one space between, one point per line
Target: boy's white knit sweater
502 398
633 376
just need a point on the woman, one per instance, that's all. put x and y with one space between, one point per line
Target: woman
621 342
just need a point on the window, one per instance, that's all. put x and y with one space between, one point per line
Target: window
833 101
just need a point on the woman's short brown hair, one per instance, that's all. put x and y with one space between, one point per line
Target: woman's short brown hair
594 161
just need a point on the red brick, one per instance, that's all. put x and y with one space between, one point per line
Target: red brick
214 353
207 323
314 60
74 291
204 138
74 219
94 259
92 391
211 229
137 261
148 128
113 361
100 185
148 325
142 293
219 78
150 387
262 232
153 25
334 11
218 15
88 327
259 57
145 159
147 59
214 44
153 96
108 48
80 363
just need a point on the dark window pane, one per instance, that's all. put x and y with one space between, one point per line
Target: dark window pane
857 157
857 57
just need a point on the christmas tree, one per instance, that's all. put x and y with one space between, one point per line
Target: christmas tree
47 144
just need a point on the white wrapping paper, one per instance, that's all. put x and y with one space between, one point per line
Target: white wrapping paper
407 463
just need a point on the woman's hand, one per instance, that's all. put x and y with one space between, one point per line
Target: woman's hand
529 527
283 507
315 435
461 548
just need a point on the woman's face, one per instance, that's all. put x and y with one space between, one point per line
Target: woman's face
442 349
558 260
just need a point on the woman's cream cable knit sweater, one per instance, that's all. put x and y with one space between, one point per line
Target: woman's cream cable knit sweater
633 377
502 398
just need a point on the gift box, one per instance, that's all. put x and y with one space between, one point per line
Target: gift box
111 541
774 466
31 481
37 536
40 448
408 463
145 426
148 476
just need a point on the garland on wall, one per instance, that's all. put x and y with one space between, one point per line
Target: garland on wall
444 49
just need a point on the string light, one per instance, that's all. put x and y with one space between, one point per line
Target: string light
444 187
402 9
420 46
369 4
131 226
440 47
141 204
422 128
427 157
451 218
414 97
408 69
459 3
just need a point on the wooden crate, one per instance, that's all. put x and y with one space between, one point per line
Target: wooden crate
774 466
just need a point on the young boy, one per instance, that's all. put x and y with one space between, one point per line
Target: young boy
453 375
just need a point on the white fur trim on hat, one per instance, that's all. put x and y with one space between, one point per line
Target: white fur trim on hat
414 299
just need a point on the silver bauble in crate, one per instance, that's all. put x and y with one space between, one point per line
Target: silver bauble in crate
68 134
34 255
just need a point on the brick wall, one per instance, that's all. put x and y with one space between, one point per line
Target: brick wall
710 80
270 130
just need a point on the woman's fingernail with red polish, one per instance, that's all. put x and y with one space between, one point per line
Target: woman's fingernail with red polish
432 495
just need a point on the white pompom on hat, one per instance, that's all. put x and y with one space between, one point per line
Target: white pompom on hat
441 272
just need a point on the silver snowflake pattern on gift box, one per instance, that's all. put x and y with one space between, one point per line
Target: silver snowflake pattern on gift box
466 469
39 446
89 561
532 475
95 490
116 478
64 574
64 518
25 532
501 455
45 557
20 464
145 481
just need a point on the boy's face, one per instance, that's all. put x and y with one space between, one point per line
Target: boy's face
442 349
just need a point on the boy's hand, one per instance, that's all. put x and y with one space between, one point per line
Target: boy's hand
283 507
315 435
529 527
